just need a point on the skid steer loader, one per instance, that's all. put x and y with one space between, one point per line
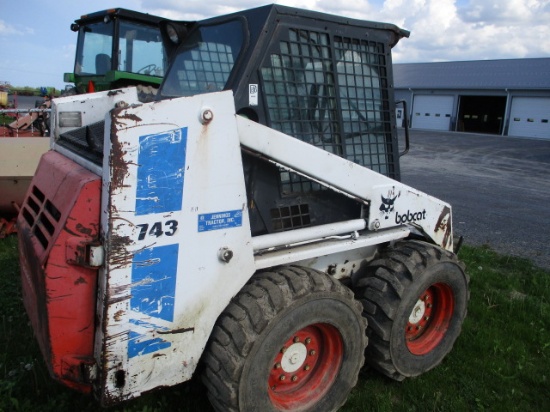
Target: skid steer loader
250 221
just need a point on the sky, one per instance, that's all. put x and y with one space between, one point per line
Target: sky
37 46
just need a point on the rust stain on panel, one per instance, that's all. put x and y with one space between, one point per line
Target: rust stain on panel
129 116
119 256
119 167
118 315
118 152
175 331
112 301
84 230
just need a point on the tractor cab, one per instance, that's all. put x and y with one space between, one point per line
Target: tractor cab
117 48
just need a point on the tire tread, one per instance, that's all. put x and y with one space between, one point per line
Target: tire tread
381 289
248 314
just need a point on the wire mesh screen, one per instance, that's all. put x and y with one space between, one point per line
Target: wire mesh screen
205 61
332 96
301 98
205 69
363 92
290 217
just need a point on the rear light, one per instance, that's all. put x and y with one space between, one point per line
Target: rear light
84 252
70 119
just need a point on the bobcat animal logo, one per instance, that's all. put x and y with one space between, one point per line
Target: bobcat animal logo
388 203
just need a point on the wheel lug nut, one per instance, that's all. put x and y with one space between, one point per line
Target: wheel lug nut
277 365
294 378
307 367
283 349
418 327
308 341
426 318
273 388
429 305
282 377
296 339
312 352
426 297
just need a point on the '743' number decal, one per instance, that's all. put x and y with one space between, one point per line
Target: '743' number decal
158 229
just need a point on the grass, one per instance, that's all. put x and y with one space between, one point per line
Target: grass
4 120
499 363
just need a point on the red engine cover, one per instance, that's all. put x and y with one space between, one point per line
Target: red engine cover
58 219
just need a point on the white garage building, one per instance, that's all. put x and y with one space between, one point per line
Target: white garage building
507 97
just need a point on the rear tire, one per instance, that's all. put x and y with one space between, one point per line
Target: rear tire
291 340
415 300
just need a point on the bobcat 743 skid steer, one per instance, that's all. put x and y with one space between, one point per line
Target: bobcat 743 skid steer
250 221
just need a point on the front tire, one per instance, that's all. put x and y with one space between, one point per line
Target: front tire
415 299
291 340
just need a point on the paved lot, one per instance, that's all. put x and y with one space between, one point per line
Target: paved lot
499 187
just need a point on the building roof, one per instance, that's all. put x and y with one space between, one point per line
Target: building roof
512 74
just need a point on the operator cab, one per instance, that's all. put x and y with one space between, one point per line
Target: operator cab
117 48
319 79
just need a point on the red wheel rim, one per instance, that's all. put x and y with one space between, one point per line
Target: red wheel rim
429 319
305 368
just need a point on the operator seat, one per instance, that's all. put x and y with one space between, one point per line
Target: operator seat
102 63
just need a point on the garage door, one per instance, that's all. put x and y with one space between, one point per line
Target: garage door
432 112
530 116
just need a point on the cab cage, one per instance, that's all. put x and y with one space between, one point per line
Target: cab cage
323 79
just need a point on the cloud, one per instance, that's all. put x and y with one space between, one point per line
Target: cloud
196 10
448 30
506 11
441 30
9 30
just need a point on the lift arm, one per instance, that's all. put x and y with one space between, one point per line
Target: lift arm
390 203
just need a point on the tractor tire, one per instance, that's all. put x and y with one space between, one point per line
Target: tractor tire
291 340
415 299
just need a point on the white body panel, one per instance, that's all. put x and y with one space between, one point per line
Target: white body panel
92 107
86 110
165 286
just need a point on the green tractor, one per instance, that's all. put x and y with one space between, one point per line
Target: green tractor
117 48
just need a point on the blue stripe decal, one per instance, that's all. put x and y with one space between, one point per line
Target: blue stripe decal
220 220
154 281
137 346
160 175
153 292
